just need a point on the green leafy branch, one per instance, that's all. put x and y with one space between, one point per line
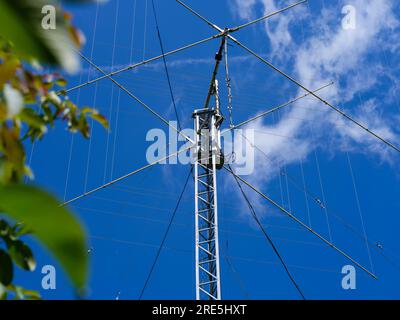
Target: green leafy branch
31 103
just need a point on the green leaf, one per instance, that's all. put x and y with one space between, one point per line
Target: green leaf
4 228
99 118
3 292
20 229
23 294
6 268
8 69
31 294
6 232
61 82
53 225
22 255
21 23
29 116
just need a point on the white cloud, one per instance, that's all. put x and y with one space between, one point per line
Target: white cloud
244 8
276 27
328 53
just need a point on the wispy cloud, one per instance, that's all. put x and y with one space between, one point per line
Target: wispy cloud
328 52
159 65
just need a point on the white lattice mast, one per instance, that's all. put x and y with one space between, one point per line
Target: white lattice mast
209 159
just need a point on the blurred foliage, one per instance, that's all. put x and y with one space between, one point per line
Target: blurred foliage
51 224
21 23
31 102
15 252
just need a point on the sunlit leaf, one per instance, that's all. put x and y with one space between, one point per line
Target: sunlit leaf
4 228
100 118
8 69
20 229
77 36
31 295
22 255
3 292
12 148
29 116
61 82
23 294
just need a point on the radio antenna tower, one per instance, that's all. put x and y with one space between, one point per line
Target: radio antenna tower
209 157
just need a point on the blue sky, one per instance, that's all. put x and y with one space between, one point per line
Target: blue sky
355 176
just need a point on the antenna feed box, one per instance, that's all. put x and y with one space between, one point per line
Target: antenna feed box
208 137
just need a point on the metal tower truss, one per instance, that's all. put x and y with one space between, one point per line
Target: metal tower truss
208 160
